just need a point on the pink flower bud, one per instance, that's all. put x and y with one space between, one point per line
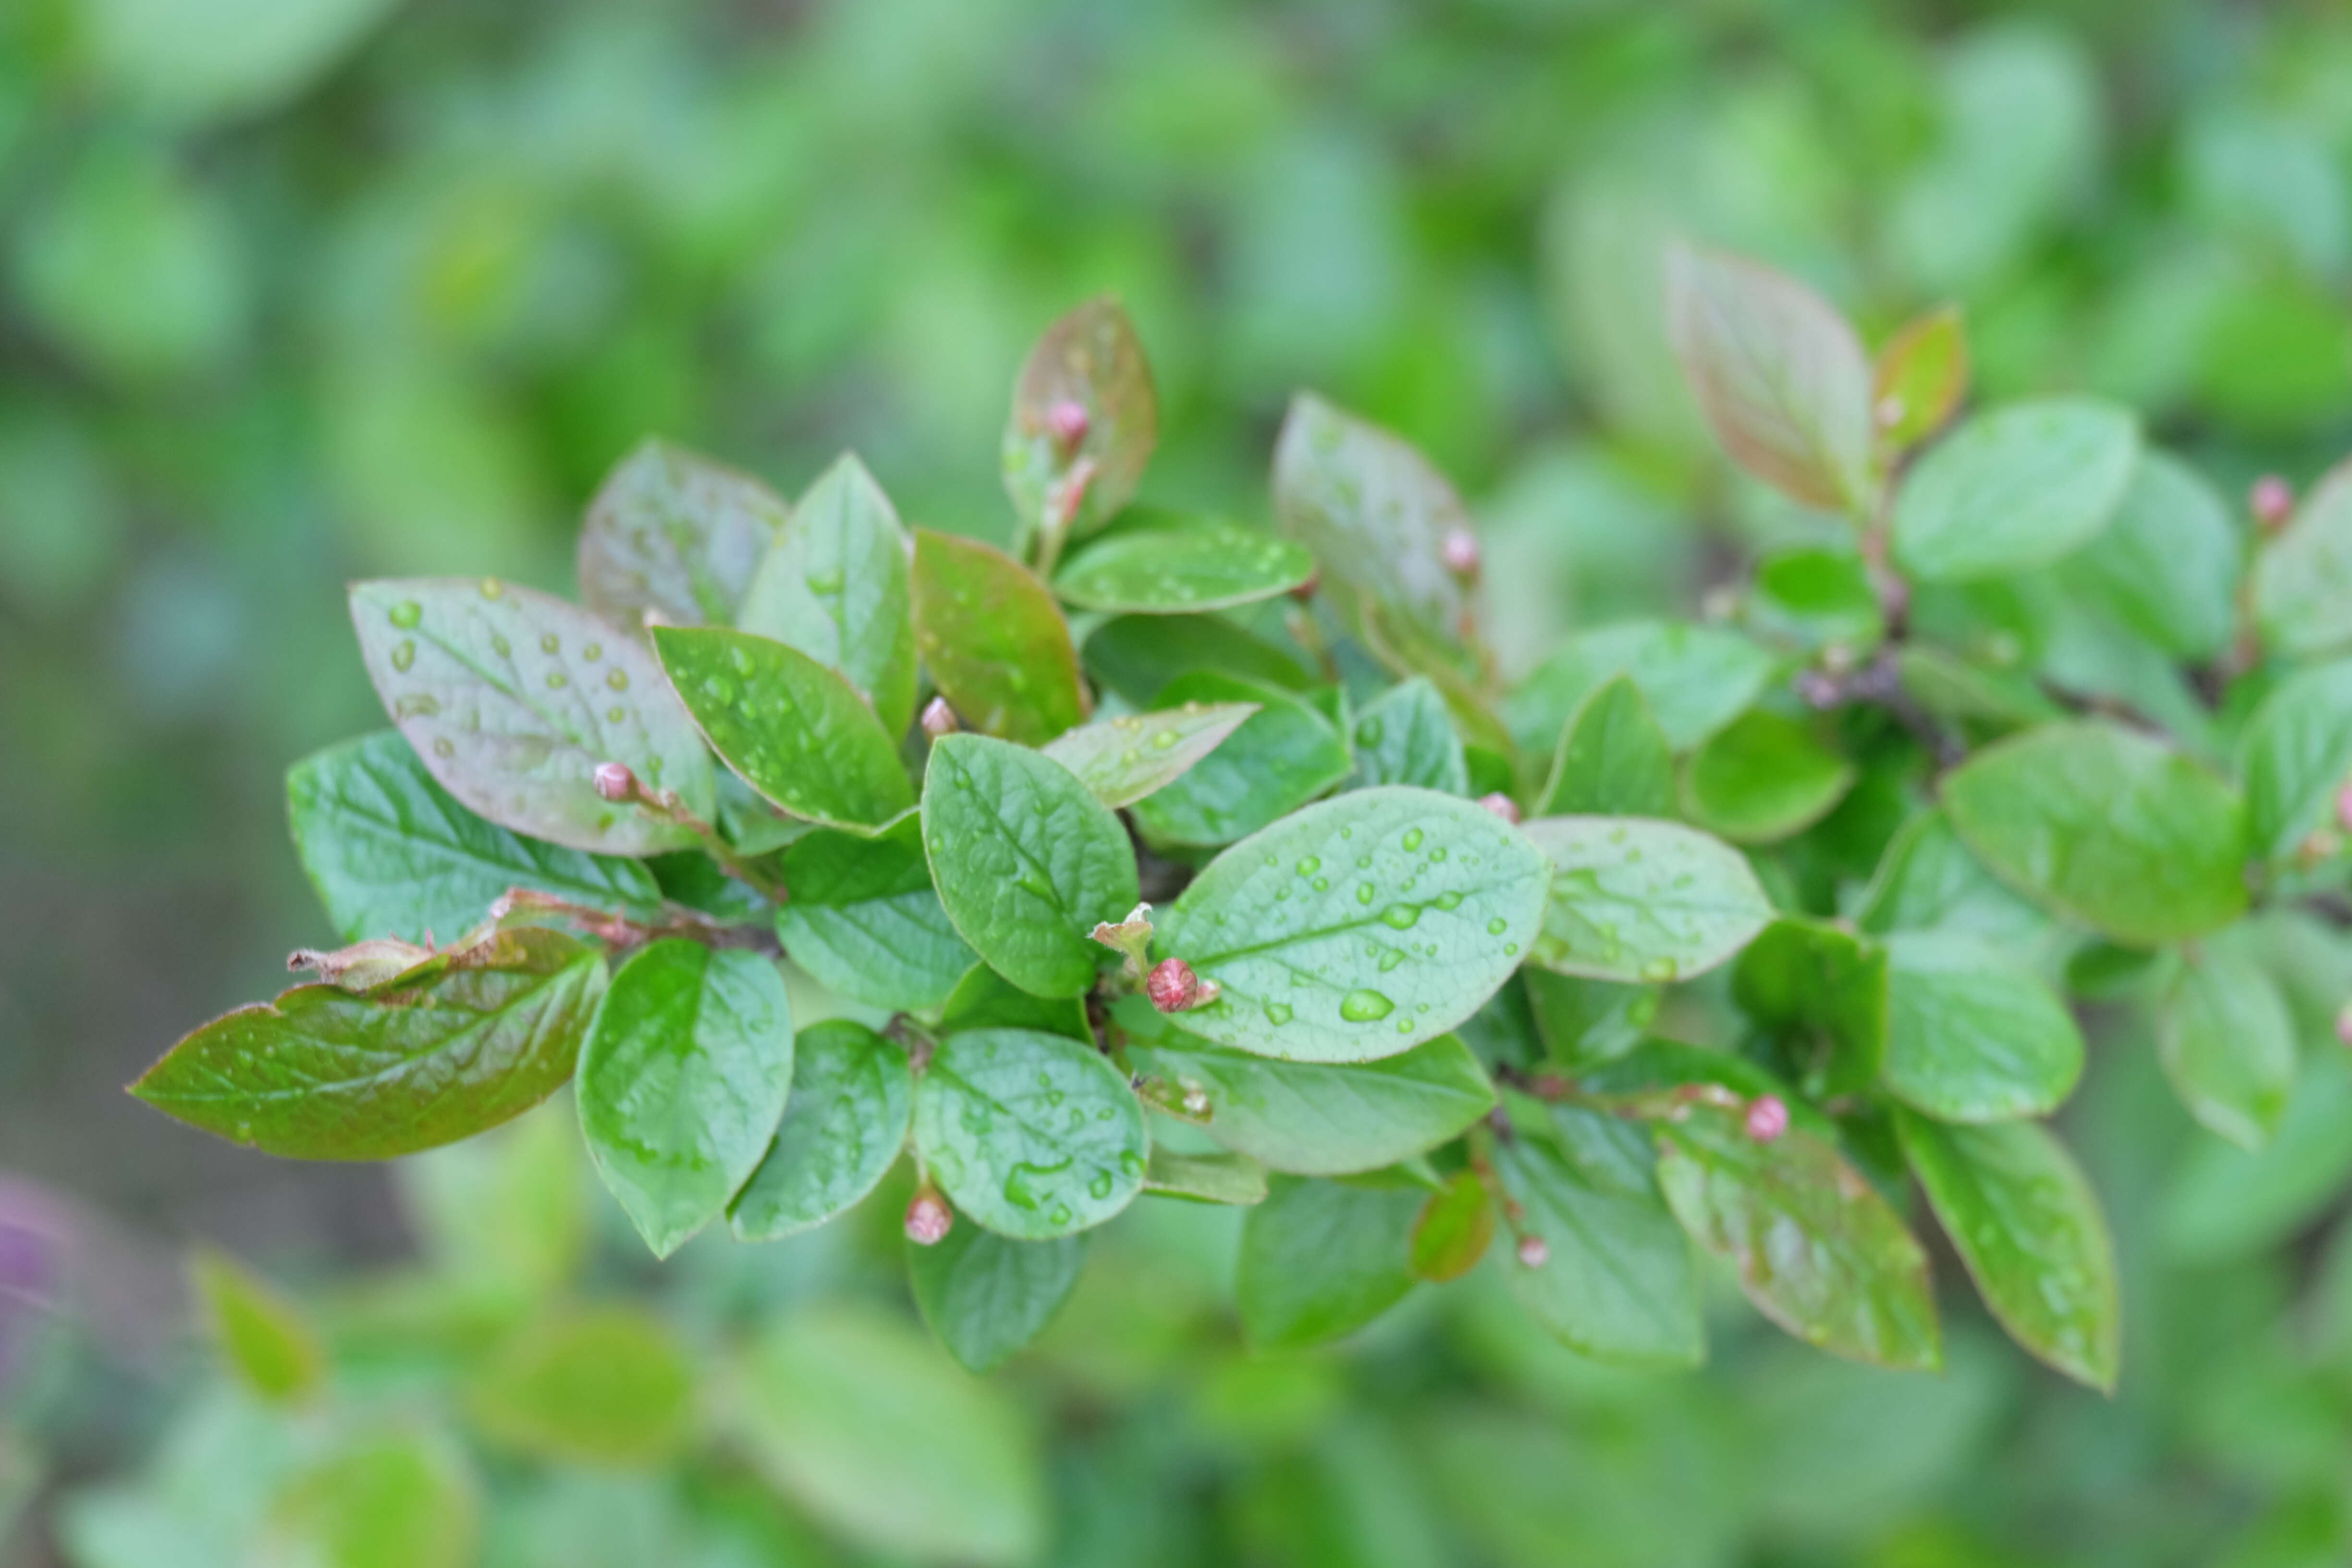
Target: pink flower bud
929 1218
2272 500
1767 1118
938 719
1067 422
615 782
1534 1252
2344 1024
1305 591
2343 807
1172 987
1459 549
1502 806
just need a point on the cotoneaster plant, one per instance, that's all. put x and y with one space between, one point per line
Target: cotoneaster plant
1164 857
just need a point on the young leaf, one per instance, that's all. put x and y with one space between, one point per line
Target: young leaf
984 999
1359 926
1122 760
266 1342
1764 777
835 586
1817 1250
866 921
2295 755
1315 1119
1026 860
1612 760
1139 656
1779 374
994 640
2028 1226
1825 991
391 853
2227 1042
1068 476
792 729
464 1041
1030 1134
845 1119
2014 488
1972 1034
1640 900
1404 736
1233 1181
1281 757
2167 565
1452 1231
1921 374
2105 826
673 532
1182 570
1697 679
606 1385
513 700
1320 1259
1614 1281
985 1296
2303 578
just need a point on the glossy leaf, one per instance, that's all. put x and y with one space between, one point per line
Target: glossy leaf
673 532
1920 375
1696 678
461 1043
1122 760
1233 1181
513 700
1581 1023
984 999
1030 1134
1182 570
1817 1249
1764 777
267 1344
985 1296
1972 1034
1824 992
864 920
1276 761
2295 756
2108 828
1612 759
1090 358
2028 1226
1139 656
1404 736
2226 1043
1027 861
1640 900
1779 374
606 1385
682 1081
1357 927
1452 1231
394 854
2014 488
845 1122
1927 881
1320 1259
994 640
2303 578
835 585
2167 565
792 729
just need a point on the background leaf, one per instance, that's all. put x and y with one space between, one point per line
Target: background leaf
1763 777
865 919
1972 1034
2168 564
1697 679
1278 759
2295 755
1122 760
1320 1259
606 1385
845 1119
994 640
1033 1135
2303 578
1612 759
1638 900
673 532
2227 1042
1920 375
1233 1181
1824 992
385 1497
2016 487
985 1296
1404 736
265 1339
1452 1231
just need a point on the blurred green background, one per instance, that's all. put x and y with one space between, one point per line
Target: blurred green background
291 293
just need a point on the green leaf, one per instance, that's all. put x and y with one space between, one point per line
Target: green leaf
1825 991
1090 358
1320 1259
986 1296
845 1122
864 920
1182 568
1817 1250
2225 1204
1614 1281
1764 777
1315 1119
984 999
2108 828
459 1044
605 1386
1927 881
514 699
2295 756
391 853
1582 1023
1657 1074
2167 565
1233 1181
1814 597
1030 1134
867 1426
2227 1042
2303 577
792 729
1122 760
1027 861
1452 1231
1641 900
266 1342
2014 488
1139 656
389 1498
673 532
1278 759
1779 374
1359 926
1696 678
835 585
1920 378
2028 1226
1405 736
682 1082
994 640
1612 759
1972 1034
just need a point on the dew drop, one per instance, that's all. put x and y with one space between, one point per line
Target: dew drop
1278 1013
1411 838
1390 959
618 680
1400 917
1308 865
1448 900
1497 926
1366 892
1099 1188
404 654
1364 1006
615 715
557 681
499 644
406 614
443 748
1321 884
551 643
1658 969
1165 738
